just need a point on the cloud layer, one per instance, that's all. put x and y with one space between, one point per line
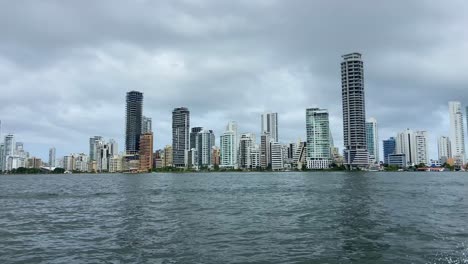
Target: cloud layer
65 66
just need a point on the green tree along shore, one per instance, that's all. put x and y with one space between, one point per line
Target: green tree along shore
22 170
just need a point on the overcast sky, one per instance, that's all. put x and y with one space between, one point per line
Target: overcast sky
65 66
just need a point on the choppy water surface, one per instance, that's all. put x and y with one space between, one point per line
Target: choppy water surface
235 218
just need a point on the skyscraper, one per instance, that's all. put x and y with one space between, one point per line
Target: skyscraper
457 134
113 147
94 142
205 140
229 146
9 162
277 159
389 148
422 153
2 156
193 136
354 111
246 144
444 149
133 126
146 152
466 119
146 125
103 156
51 157
318 138
414 146
265 150
372 140
270 125
180 136
167 161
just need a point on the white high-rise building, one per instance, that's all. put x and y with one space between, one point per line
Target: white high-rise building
444 149
2 156
270 125
229 146
372 140
422 148
69 163
113 147
277 161
413 145
52 157
205 140
318 138
254 157
9 151
457 134
80 162
94 142
115 164
103 157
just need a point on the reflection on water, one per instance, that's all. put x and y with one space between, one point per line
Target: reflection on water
360 224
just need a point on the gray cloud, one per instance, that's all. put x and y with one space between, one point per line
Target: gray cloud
65 66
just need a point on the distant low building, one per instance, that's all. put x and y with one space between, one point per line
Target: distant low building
397 160
34 163
115 164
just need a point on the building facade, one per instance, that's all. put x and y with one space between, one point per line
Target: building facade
10 160
146 125
2 156
354 111
277 157
205 141
398 160
265 150
457 134
228 149
94 142
389 147
444 148
134 115
103 157
422 143
246 144
193 136
180 136
52 153
146 152
269 124
372 135
167 158
318 138
414 145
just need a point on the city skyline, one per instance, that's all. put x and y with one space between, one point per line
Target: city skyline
61 97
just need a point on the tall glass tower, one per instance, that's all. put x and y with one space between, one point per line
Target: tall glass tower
389 148
354 111
180 136
270 125
318 138
372 140
133 122
457 134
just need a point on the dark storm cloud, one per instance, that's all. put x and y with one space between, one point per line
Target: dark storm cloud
65 66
